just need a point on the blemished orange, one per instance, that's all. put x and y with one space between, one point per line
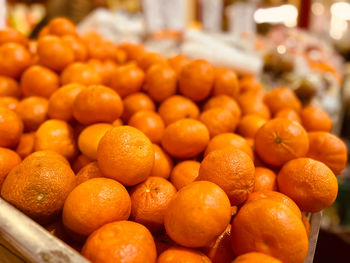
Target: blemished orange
149 201
226 82
97 103
280 140
184 173
61 26
78 47
185 138
315 119
223 101
288 114
218 121
89 171
177 63
232 170
265 179
126 155
191 221
329 149
150 123
9 87
289 241
94 203
176 108
181 254
11 128
39 81
52 180
196 80
249 125
56 135
25 145
9 34
280 98
33 112
80 161
127 79
163 164
61 102
136 102
81 73
252 103
148 59
90 137
112 242
14 59
8 102
8 160
311 184
160 82
253 257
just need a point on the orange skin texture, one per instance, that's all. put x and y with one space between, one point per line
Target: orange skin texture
10 103
80 73
126 155
185 138
48 154
150 123
281 140
196 80
182 255
39 81
176 108
280 98
163 164
61 26
278 232
56 135
311 184
25 145
177 63
9 87
39 186
223 101
97 103
254 257
148 59
192 220
11 128
288 114
218 121
251 103
122 241
329 149
136 102
149 201
78 47
95 203
232 170
12 35
89 171
265 179
61 102
8 160
127 80
184 173
14 59
315 119
224 140
249 125
226 82
80 162
33 112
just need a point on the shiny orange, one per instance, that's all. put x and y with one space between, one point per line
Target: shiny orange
78 47
265 179
14 59
33 112
182 254
80 73
177 63
184 173
280 98
25 145
163 164
136 102
315 119
223 101
288 114
106 69
253 257
11 128
12 35
249 125
252 103
10 103
148 59
61 26
9 87
226 82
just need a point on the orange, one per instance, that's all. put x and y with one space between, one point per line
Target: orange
56 135
176 108
90 137
33 112
163 164
177 63
97 103
78 47
89 171
315 119
280 98
184 173
106 69
329 149
232 170
102 49
45 31
48 154
12 35
225 82
160 82
117 122
251 103
132 51
10 103
61 102
9 87
8 160
136 102
249 84
218 121
112 243
150 123
196 80
288 114
191 220
126 155
25 145
162 241
11 128
275 231
94 203
281 140
148 59
249 125
182 255
61 26
223 101
127 80
265 179
311 184
253 257
14 59
80 162
81 73
39 81
185 138
149 201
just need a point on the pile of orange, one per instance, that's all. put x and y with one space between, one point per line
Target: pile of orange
131 157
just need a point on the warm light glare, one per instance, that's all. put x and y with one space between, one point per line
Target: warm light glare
317 9
339 20
286 14
341 10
